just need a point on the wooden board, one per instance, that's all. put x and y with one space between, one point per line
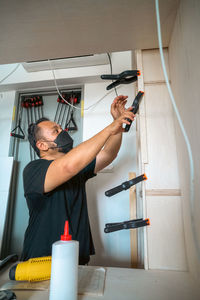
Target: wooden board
133 215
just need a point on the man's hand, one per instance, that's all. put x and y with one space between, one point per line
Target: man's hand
118 106
117 125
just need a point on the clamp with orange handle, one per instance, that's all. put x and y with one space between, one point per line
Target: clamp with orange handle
125 185
125 77
110 227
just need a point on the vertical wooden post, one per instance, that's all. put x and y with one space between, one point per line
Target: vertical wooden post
133 215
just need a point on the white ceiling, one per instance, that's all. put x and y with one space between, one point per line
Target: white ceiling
41 29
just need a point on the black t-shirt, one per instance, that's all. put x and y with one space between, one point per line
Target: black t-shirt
49 211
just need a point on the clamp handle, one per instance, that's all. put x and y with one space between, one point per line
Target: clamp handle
135 107
19 136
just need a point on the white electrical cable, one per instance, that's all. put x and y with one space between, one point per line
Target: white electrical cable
55 82
182 129
15 68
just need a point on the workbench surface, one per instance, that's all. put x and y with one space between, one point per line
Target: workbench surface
130 284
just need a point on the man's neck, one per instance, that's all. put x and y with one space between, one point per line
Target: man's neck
52 156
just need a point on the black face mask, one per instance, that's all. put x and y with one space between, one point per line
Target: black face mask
64 142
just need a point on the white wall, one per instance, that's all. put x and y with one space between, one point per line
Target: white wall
6 112
184 61
112 249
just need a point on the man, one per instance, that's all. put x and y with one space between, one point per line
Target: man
54 185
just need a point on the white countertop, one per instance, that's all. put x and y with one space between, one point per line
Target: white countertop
131 284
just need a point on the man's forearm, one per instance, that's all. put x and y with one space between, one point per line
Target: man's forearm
109 152
112 146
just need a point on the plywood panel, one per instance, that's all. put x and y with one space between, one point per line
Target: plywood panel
152 67
184 64
165 235
162 170
166 246
142 112
133 215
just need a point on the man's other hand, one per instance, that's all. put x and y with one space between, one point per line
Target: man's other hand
118 106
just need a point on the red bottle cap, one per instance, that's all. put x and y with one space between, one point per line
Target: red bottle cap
66 236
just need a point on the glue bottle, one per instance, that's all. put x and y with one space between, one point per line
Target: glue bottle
64 268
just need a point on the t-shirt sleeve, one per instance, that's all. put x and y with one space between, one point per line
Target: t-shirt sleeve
88 171
34 176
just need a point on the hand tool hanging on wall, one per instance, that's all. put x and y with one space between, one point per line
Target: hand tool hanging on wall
62 105
40 104
111 227
34 101
25 103
125 77
65 112
68 109
125 185
60 112
18 135
18 132
70 124
57 109
33 105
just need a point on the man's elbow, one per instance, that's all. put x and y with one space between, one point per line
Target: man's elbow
70 168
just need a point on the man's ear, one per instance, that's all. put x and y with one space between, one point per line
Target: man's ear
42 146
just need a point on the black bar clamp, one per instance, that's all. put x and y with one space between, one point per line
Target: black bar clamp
111 227
125 77
125 185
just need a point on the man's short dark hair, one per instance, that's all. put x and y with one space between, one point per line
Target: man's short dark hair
34 134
